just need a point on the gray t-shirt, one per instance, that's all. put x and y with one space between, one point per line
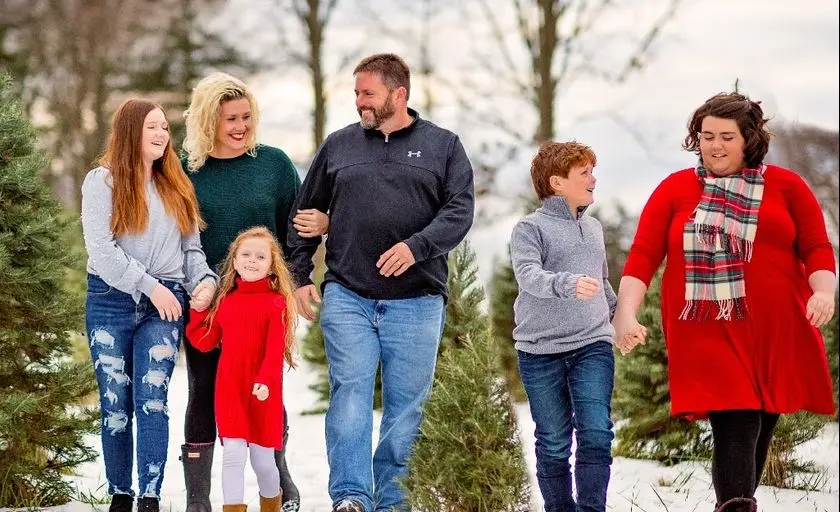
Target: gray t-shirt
133 263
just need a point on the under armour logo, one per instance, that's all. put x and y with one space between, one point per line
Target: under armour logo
413 153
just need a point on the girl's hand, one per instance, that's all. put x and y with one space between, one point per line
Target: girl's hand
311 223
202 295
260 391
628 333
586 288
166 303
820 308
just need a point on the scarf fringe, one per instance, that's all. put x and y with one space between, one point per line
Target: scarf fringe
700 309
710 236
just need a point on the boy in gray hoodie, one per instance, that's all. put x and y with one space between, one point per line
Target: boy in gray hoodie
563 332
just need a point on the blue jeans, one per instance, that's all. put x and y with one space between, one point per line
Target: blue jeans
568 392
359 334
133 353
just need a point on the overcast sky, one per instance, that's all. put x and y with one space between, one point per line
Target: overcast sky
783 53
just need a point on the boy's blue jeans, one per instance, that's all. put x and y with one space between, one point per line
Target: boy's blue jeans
359 334
133 353
568 392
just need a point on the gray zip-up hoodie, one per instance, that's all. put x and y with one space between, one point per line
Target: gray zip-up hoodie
551 249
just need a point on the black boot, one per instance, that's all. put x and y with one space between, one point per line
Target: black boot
738 505
146 504
291 495
197 459
121 503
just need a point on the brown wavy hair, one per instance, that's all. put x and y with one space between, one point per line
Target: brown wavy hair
746 113
123 156
557 159
279 278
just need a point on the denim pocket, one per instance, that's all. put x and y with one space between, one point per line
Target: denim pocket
96 286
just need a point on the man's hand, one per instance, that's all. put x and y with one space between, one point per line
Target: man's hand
311 223
302 297
260 391
395 260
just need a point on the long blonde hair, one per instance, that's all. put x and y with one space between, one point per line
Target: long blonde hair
123 156
202 116
280 280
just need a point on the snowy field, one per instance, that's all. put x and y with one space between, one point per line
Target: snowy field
636 486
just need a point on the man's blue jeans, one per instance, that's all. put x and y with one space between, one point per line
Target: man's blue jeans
568 392
133 353
359 334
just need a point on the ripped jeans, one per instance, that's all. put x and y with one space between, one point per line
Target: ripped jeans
133 353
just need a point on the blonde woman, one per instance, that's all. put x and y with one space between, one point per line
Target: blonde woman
253 316
239 183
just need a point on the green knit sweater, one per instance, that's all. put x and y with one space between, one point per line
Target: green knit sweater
238 193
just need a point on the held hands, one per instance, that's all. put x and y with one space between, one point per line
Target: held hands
628 333
820 308
395 261
311 223
260 391
166 303
302 297
586 288
202 295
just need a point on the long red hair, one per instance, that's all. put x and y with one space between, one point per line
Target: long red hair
124 157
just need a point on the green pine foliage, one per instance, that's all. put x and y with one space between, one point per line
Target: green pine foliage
642 401
503 292
831 334
468 457
42 427
784 468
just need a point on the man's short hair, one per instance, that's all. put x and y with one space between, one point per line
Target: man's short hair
391 69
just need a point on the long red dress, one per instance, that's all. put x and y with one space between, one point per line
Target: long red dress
251 326
772 360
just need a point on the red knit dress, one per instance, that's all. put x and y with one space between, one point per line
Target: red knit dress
772 360
251 326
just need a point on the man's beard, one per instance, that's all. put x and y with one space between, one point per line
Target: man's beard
380 115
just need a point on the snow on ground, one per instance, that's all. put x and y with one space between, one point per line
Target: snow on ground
636 486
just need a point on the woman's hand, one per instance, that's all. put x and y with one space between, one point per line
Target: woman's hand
628 333
311 223
820 308
166 303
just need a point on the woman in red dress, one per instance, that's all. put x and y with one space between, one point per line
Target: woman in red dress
749 279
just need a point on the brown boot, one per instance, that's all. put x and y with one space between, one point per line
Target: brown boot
738 505
271 504
238 507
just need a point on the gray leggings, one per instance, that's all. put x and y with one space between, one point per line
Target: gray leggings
233 470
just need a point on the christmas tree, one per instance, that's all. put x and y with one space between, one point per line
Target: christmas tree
42 427
503 292
642 401
468 457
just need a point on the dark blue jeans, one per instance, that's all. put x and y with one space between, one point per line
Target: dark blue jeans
570 392
133 353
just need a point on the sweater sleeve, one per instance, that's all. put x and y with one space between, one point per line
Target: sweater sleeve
651 241
612 300
526 257
108 259
812 244
455 217
195 262
271 368
315 192
286 201
201 336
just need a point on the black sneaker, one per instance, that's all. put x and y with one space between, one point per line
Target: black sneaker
147 504
121 503
349 506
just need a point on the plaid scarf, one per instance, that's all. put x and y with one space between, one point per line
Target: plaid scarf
718 240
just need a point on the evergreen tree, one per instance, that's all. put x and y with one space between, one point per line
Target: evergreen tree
468 457
41 424
831 333
642 401
503 292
